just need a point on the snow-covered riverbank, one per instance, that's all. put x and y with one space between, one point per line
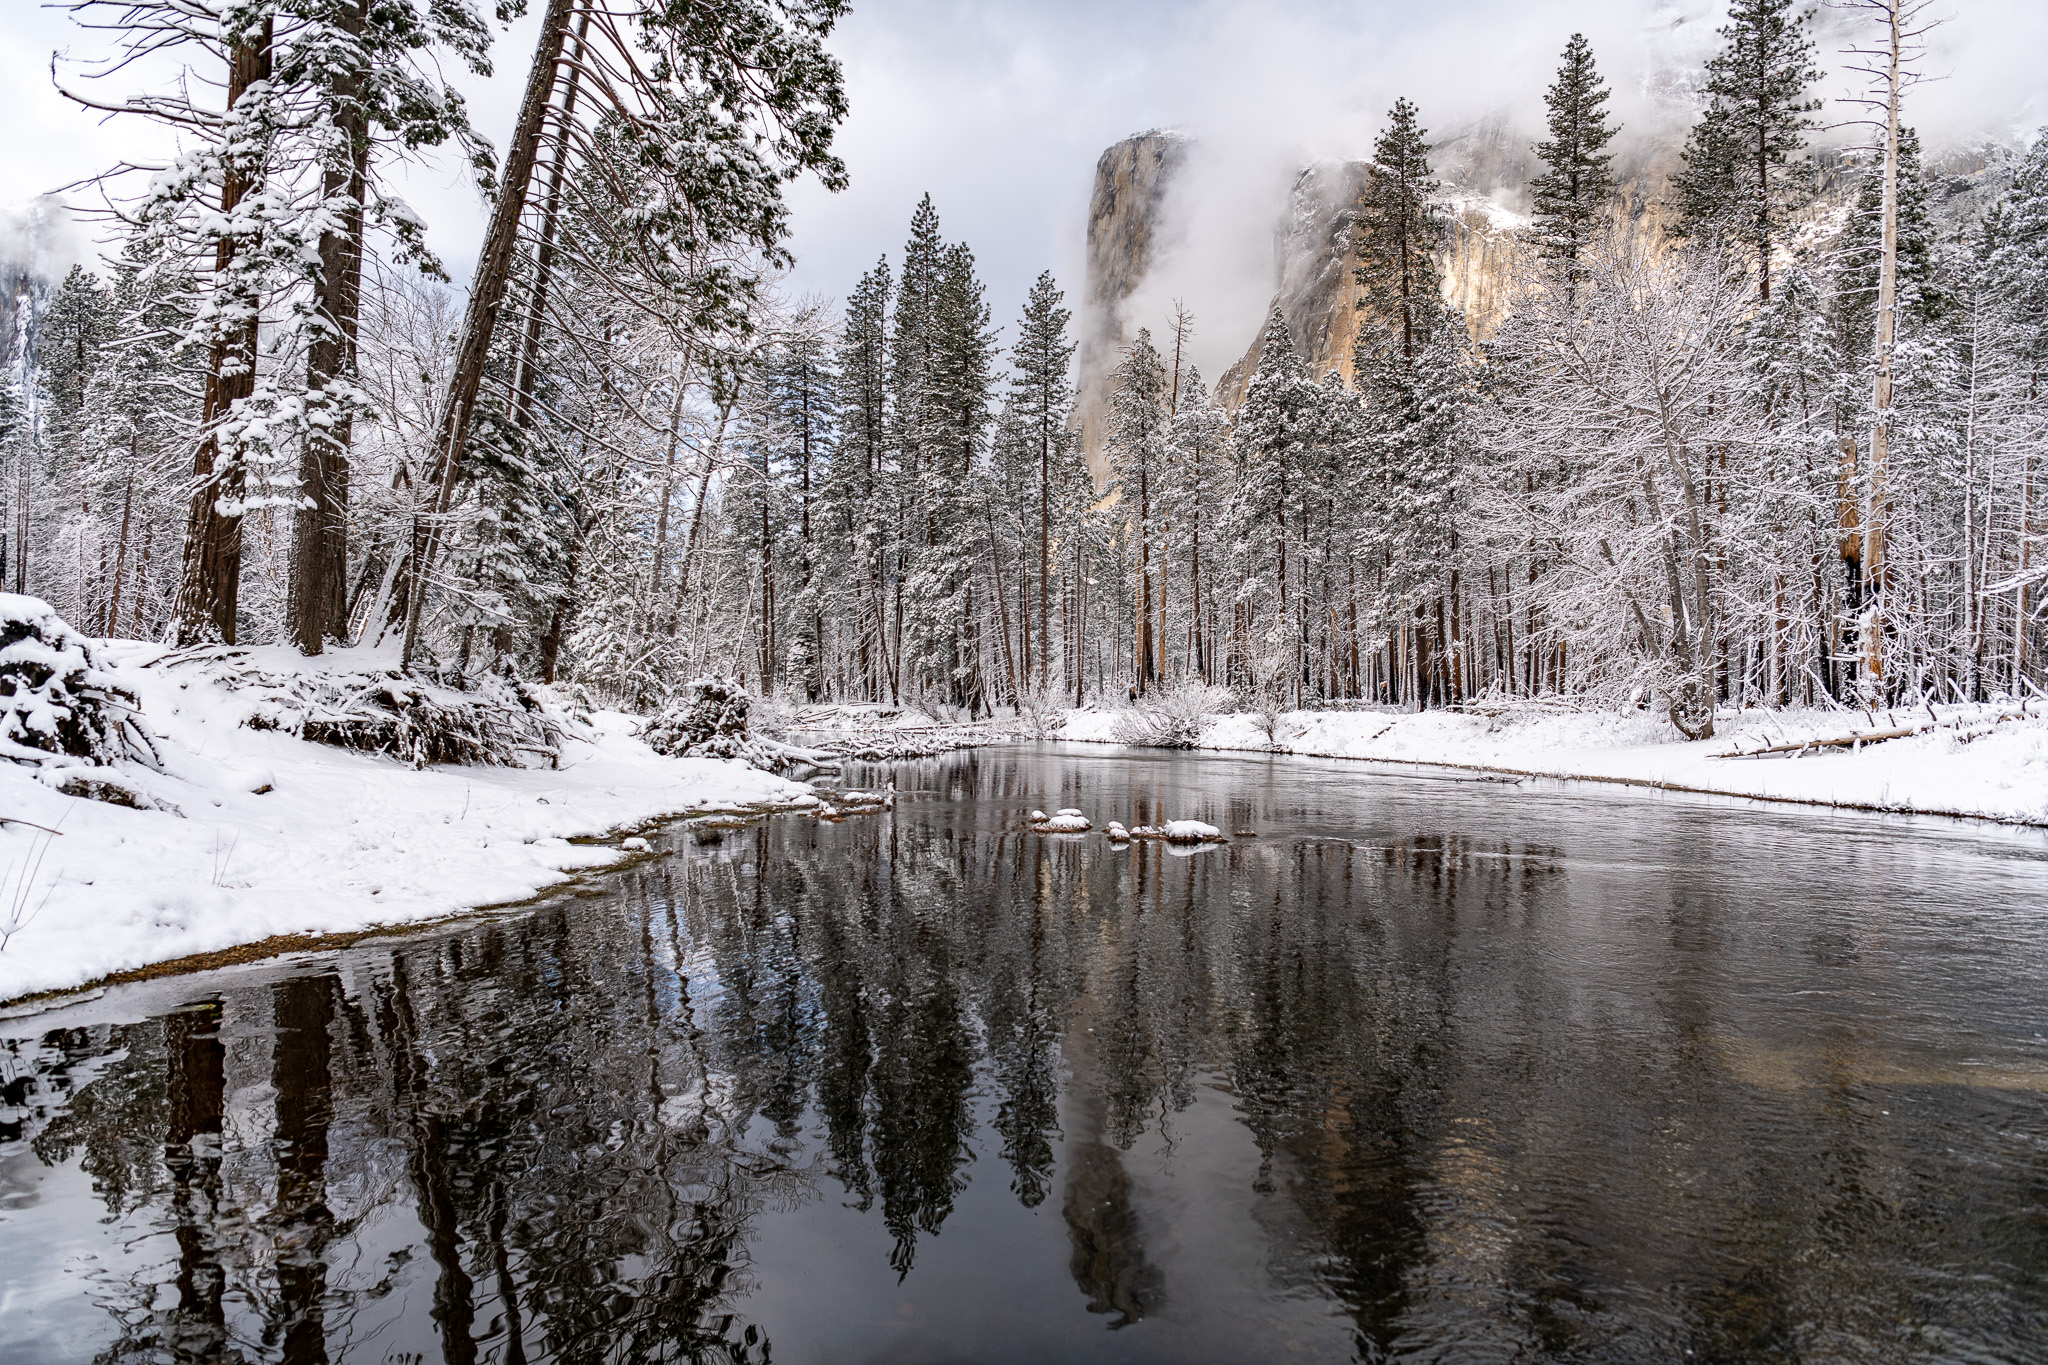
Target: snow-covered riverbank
1999 774
340 841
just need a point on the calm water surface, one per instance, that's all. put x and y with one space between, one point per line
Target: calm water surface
1425 1070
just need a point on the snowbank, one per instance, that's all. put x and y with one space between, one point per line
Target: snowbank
1999 774
336 842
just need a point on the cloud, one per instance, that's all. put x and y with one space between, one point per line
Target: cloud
1001 111
41 237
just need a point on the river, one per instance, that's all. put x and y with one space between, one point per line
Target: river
1416 1068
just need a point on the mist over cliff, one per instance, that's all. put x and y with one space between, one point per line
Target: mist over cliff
1154 240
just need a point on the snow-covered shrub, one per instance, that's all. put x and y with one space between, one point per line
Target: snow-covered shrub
499 722
56 703
708 718
1041 711
1173 718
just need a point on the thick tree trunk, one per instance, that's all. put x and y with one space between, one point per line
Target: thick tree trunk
210 581
317 608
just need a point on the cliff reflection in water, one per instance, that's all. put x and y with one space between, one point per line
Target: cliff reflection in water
1457 1088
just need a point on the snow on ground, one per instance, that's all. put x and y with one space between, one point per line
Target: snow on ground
2001 774
342 841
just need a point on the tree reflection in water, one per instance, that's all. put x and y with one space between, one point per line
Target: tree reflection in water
1471 1107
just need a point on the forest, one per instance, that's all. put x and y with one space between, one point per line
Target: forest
1761 458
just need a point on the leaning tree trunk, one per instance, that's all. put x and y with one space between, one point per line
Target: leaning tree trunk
486 301
210 581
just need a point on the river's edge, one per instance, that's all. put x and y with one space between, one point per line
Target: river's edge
240 835
573 882
2000 778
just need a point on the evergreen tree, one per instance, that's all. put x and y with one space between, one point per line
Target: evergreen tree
1040 397
1135 446
942 356
910 353
859 475
794 412
1280 430
1400 229
1575 190
1922 299
1738 178
1196 496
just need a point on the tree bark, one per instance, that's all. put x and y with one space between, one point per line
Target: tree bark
210 581
316 608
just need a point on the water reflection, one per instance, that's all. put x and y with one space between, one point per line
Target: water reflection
1420 1071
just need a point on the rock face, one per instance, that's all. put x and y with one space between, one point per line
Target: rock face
1125 234
1485 170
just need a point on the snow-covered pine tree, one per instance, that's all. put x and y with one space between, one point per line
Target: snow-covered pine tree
1038 405
860 487
1275 449
1739 177
1399 231
1574 194
953 422
1196 494
1134 447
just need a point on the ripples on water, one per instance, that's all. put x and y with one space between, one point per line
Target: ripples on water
1425 1070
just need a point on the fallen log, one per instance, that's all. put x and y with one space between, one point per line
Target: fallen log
1966 727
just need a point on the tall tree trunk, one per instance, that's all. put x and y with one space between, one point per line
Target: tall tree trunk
210 580
1874 567
316 605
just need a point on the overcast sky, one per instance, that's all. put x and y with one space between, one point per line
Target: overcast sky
1000 110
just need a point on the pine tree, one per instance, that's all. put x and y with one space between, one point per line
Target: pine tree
1196 448
1922 298
860 472
1135 447
1400 230
1276 445
1738 177
942 356
910 351
1574 193
1040 396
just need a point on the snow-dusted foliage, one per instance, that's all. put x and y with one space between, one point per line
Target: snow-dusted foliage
1173 718
708 718
56 703
382 711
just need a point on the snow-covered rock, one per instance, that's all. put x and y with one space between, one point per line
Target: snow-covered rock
1066 821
